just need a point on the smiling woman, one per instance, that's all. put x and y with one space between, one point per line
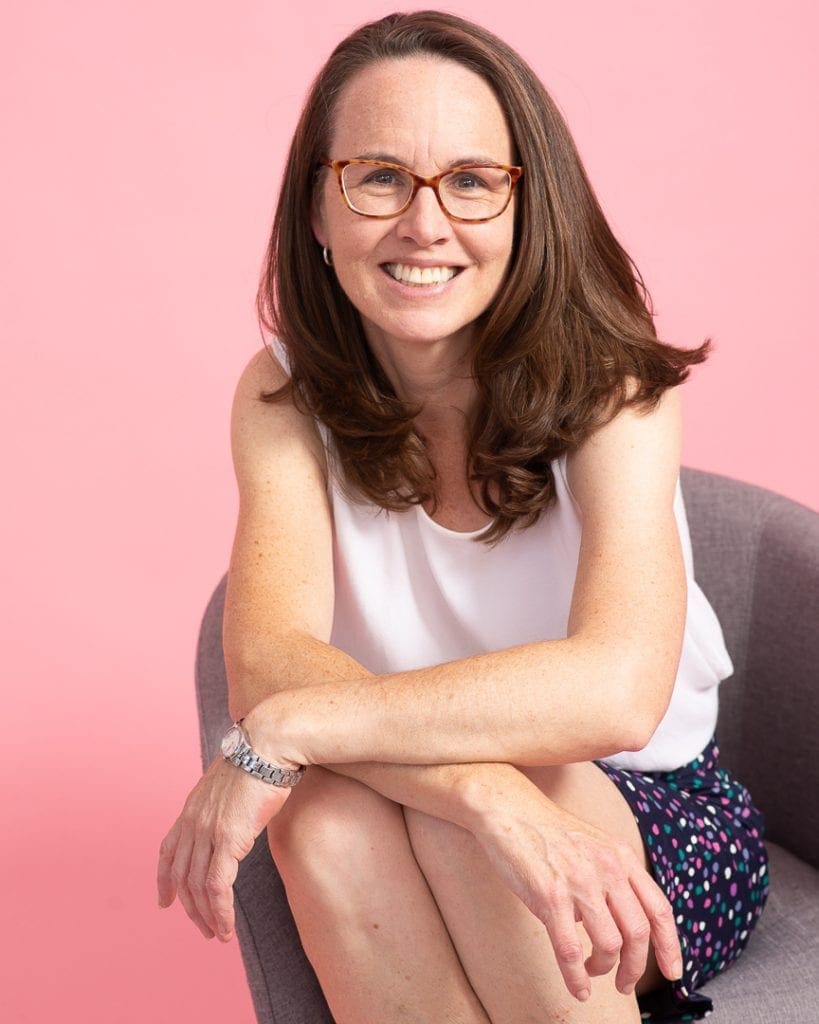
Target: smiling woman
445 111
461 587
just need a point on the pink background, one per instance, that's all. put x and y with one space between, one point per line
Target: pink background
144 143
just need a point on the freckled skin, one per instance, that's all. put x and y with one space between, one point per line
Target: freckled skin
429 114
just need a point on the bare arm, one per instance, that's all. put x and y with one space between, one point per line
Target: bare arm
602 689
279 605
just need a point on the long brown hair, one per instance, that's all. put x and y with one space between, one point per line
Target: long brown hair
568 341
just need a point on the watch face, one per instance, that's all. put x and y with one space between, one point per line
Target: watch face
231 741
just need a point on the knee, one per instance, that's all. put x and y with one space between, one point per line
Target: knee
330 827
430 836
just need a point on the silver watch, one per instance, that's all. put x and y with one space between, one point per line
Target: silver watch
236 748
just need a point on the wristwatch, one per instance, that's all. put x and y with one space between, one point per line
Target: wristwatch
237 750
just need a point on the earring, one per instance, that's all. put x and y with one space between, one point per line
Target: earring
327 256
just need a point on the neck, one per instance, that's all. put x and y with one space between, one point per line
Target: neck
433 374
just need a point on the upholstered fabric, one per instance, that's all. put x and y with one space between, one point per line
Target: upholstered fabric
756 556
776 980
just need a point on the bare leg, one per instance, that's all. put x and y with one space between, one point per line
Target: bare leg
365 914
504 949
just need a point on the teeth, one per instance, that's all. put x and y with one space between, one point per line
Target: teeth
420 275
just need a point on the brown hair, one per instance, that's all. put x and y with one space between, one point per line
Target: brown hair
568 341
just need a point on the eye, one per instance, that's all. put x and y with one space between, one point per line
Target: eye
382 176
466 181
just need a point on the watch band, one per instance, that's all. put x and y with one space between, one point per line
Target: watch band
237 750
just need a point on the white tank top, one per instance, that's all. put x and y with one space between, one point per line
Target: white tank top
410 593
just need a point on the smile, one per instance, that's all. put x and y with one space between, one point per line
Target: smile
420 275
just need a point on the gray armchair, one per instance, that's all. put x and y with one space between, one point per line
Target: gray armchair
756 556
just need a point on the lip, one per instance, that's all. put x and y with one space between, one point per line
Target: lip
422 264
421 291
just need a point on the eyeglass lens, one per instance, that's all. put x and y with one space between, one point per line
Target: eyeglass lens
474 193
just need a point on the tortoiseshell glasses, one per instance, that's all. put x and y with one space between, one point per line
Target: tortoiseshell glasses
471 193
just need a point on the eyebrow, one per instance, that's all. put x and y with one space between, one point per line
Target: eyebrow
463 161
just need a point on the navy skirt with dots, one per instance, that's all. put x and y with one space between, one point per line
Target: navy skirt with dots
704 840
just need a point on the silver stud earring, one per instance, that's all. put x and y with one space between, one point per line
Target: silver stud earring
327 256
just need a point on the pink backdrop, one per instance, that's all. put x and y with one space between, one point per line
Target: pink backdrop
144 146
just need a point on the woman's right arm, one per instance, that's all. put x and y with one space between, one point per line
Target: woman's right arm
277 624
280 593
279 600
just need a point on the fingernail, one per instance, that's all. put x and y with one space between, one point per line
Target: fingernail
583 995
628 990
677 970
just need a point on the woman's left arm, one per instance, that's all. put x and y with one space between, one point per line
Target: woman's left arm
602 689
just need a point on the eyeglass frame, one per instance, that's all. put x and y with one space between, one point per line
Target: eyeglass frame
418 181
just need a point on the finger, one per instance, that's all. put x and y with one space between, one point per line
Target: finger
660 916
201 856
568 949
224 867
179 874
605 938
635 929
165 888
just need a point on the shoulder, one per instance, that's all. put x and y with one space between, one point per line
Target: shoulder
635 456
263 374
264 431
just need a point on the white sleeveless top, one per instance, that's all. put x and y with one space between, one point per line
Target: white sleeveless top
410 593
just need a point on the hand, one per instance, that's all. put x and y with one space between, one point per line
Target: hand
199 857
565 870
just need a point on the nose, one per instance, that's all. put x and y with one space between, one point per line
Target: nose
423 221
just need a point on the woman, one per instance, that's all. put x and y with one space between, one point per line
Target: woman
461 585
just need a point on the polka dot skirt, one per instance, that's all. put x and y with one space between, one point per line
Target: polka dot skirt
704 839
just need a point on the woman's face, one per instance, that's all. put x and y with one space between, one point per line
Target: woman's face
428 114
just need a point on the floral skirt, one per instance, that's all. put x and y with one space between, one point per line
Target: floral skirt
704 840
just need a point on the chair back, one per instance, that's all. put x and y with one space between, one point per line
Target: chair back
756 557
